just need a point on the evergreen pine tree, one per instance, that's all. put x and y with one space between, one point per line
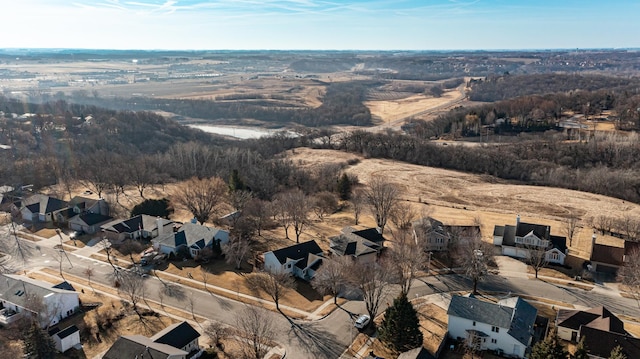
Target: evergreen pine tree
549 348
37 343
344 187
617 353
235 182
400 329
581 350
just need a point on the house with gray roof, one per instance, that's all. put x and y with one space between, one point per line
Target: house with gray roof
42 208
21 295
507 326
434 235
362 245
140 226
191 237
301 260
516 241
178 341
570 321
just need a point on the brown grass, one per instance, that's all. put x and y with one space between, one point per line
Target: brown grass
458 198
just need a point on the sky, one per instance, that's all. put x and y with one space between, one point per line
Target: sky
320 24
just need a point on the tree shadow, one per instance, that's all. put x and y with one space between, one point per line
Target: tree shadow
317 342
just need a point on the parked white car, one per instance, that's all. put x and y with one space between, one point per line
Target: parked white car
362 321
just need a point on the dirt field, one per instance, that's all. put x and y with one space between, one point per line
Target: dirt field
458 198
393 110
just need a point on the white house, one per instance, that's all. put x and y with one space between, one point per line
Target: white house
66 339
191 236
506 326
21 295
180 335
301 260
516 241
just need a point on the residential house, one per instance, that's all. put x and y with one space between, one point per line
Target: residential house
507 326
178 341
362 245
88 222
140 226
42 208
65 339
301 260
191 237
20 295
569 322
516 241
435 235
600 342
605 258
139 346
179 335
79 205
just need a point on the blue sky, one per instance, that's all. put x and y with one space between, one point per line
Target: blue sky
320 24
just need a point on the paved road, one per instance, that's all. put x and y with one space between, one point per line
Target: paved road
325 338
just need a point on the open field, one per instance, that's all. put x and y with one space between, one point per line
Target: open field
458 198
395 109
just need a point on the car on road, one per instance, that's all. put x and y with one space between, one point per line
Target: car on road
362 321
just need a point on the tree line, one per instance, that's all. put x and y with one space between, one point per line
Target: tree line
606 165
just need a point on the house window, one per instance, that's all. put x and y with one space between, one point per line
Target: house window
495 329
474 323
288 265
494 341
554 256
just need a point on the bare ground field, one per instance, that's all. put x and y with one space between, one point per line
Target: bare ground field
396 109
458 198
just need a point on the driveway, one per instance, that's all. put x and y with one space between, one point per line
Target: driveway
510 267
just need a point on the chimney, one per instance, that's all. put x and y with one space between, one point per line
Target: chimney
379 230
517 220
593 240
159 225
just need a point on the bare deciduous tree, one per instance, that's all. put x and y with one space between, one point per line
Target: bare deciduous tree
256 327
536 257
474 255
409 257
331 277
402 215
133 288
570 227
382 198
275 285
201 197
629 274
357 202
293 209
259 212
236 251
324 203
373 280
216 331
89 272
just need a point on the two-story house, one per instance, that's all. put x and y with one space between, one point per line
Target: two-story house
301 260
516 241
21 295
506 326
434 235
